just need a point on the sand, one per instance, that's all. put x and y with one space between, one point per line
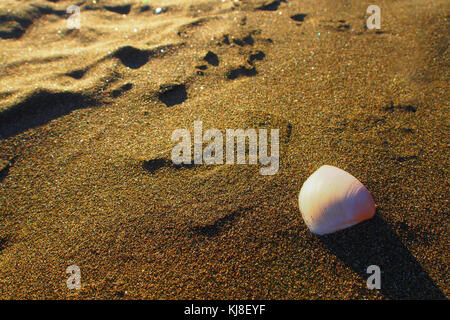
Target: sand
86 118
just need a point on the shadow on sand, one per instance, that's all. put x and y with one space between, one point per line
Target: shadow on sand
40 108
373 242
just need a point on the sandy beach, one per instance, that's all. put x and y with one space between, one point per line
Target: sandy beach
87 115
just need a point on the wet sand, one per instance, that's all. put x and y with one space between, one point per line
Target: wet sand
86 118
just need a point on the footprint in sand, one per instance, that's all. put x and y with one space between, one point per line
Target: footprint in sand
154 165
272 6
121 9
173 94
256 56
14 24
247 68
4 241
405 158
5 165
77 74
299 17
246 71
265 120
401 108
212 58
339 25
220 225
40 108
135 58
118 92
244 41
132 57
241 71
200 70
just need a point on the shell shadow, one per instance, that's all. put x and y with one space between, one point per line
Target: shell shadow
373 242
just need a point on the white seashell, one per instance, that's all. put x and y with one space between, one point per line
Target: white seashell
331 199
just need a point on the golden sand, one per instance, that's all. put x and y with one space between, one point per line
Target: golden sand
83 113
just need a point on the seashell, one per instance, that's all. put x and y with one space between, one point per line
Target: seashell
331 199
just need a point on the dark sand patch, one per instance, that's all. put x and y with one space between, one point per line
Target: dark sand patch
172 95
40 108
